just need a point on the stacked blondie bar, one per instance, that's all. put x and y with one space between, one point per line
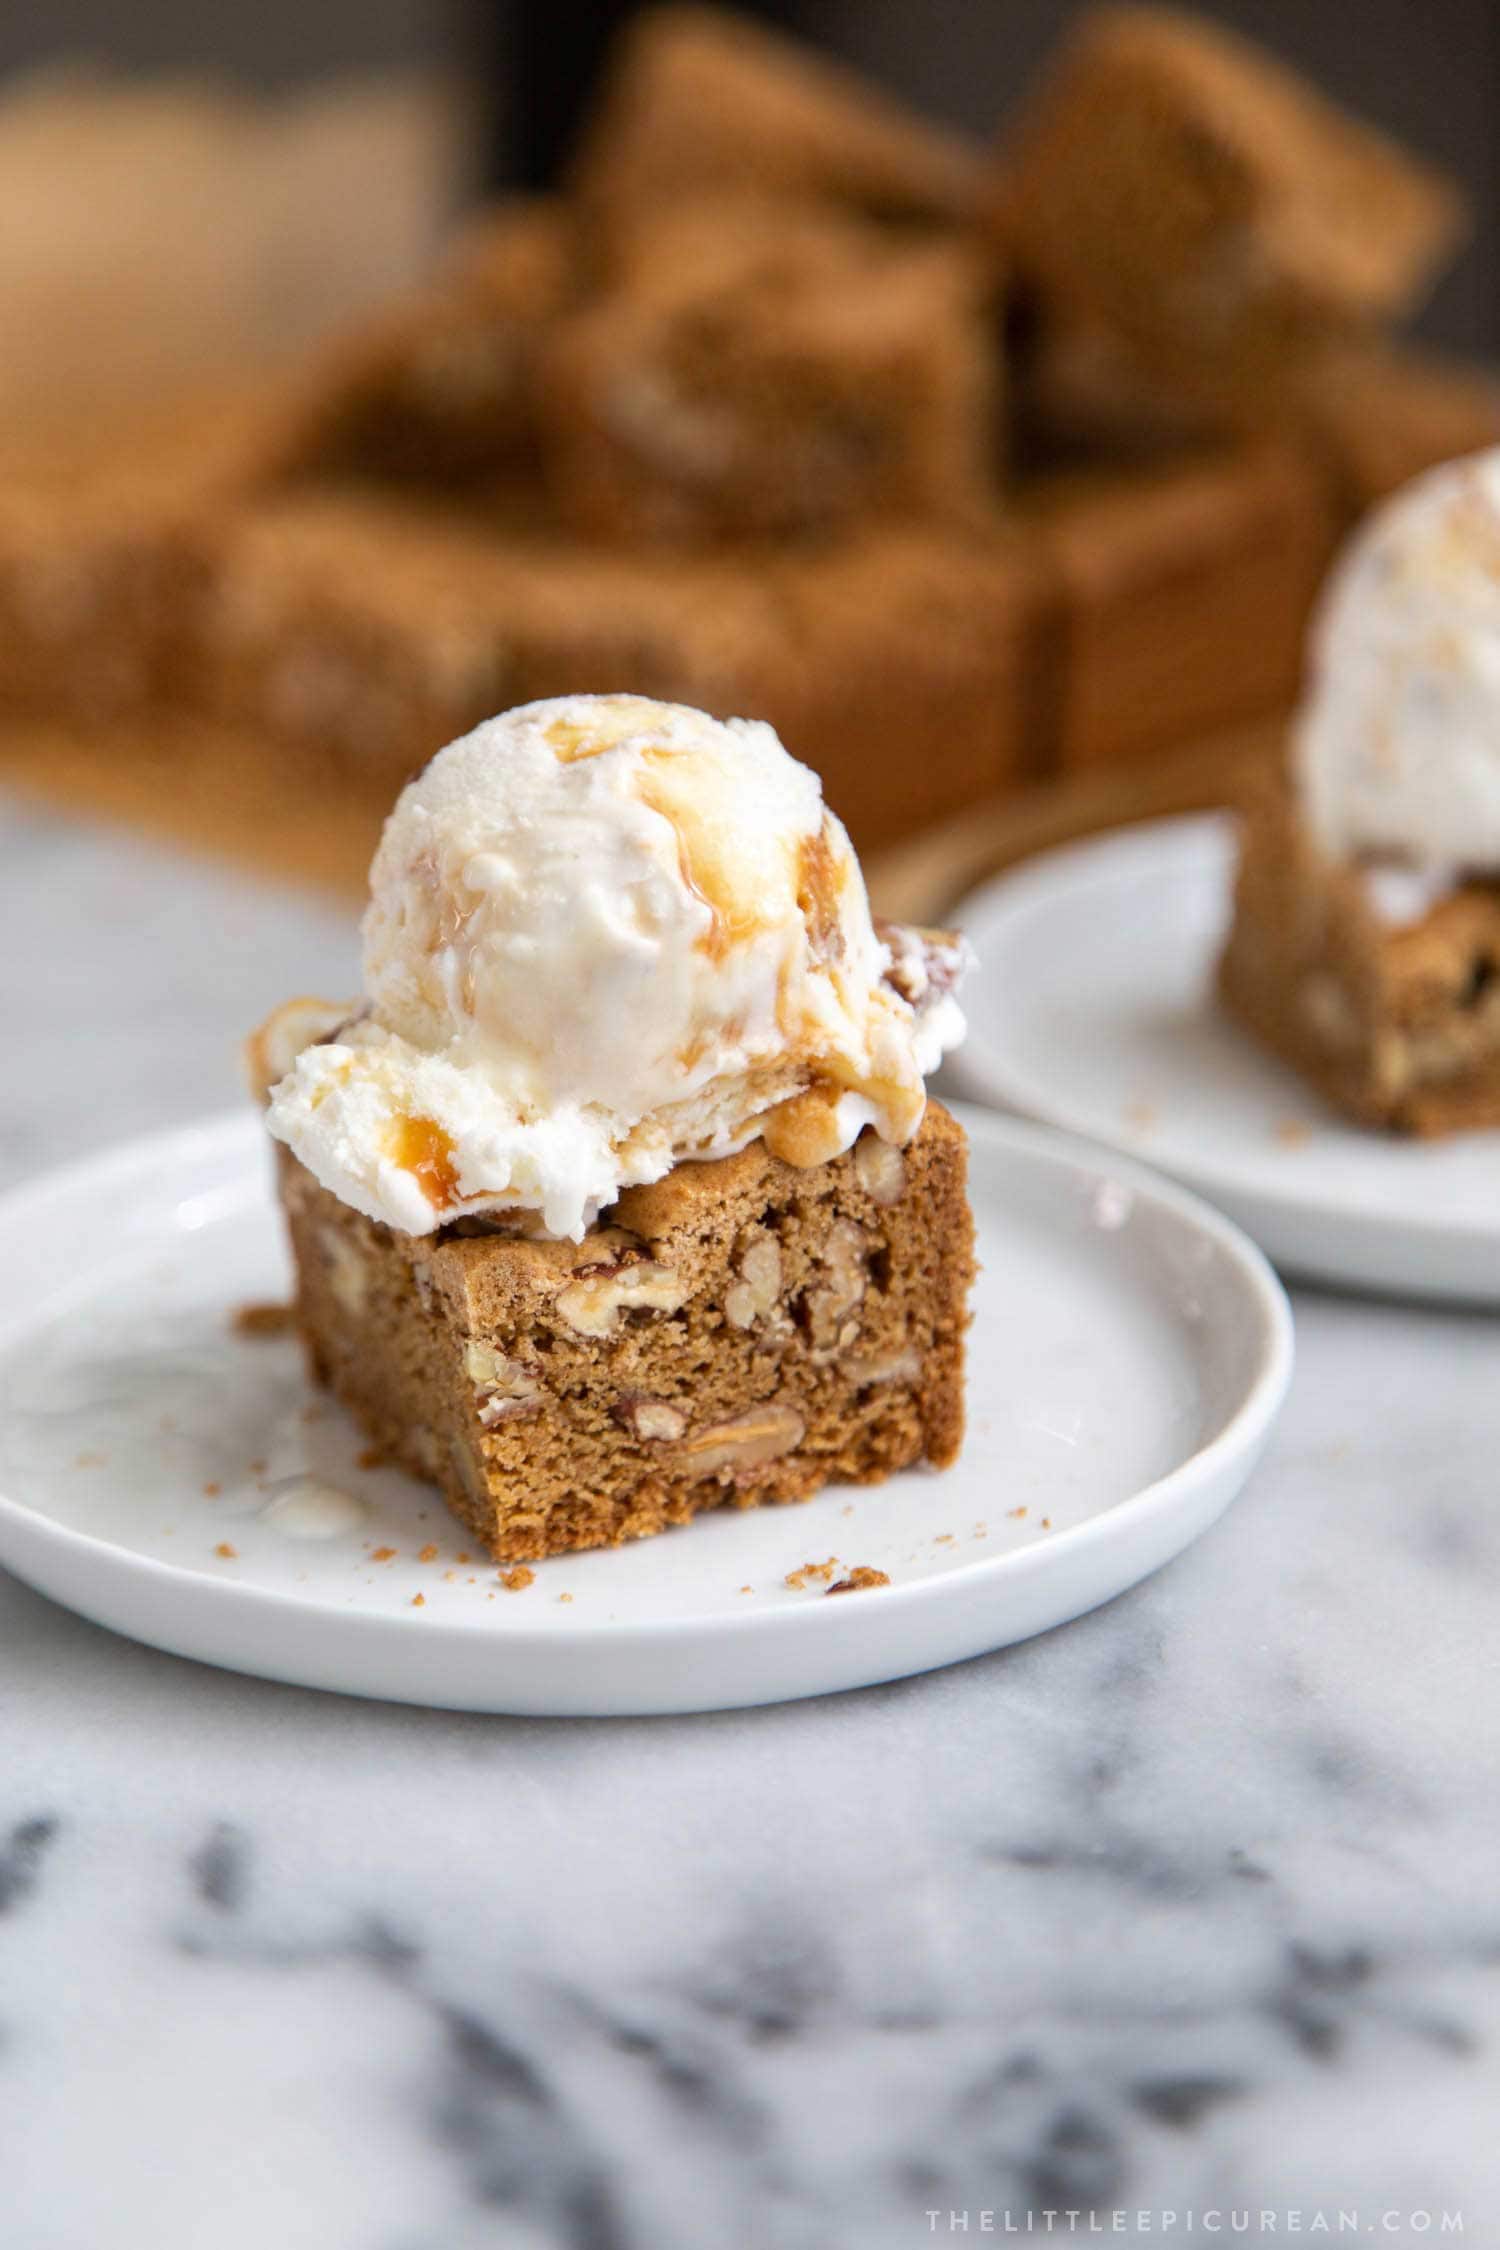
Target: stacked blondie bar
960 465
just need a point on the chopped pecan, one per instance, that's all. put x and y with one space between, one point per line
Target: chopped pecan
654 1420
925 964
880 1168
757 1291
594 1299
831 1303
903 1365
761 1434
505 1387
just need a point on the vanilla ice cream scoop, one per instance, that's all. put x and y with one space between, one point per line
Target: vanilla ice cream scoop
605 934
1397 747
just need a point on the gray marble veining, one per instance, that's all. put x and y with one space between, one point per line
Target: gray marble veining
1191 1907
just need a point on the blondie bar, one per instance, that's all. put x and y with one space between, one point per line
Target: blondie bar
740 1332
1172 182
1396 1022
765 373
440 390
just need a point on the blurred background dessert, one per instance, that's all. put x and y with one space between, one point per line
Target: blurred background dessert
982 410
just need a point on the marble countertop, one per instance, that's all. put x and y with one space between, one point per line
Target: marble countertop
1184 1919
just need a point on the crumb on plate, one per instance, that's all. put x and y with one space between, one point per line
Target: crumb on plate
797 1579
858 1579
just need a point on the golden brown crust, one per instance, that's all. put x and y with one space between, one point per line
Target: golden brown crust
1398 1027
738 1333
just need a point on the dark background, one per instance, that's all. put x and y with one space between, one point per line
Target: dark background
1427 70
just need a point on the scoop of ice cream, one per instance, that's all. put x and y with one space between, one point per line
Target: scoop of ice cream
1397 747
605 934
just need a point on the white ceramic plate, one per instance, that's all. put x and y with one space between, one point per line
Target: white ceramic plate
1093 1008
1129 1355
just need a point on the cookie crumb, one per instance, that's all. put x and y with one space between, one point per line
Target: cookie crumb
858 1579
371 1458
1141 1115
428 1553
797 1579
88 1461
1293 1132
1015 1511
561 1597
516 1581
463 1557
383 1554
257 1467
419 1601
943 1539
230 1554
261 1319
747 1589
1046 1523
212 1489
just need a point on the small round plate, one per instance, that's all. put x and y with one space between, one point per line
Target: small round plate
1093 1008
173 1477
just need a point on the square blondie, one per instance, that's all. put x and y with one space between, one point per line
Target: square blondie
770 373
1174 182
439 389
1395 1023
739 1333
